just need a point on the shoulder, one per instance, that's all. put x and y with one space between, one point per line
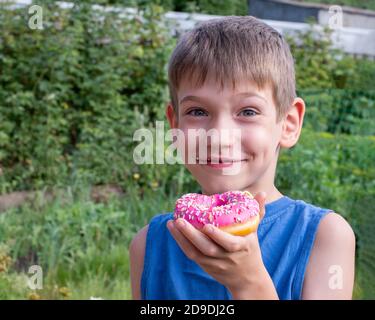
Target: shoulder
137 250
136 255
334 229
330 270
335 238
325 222
139 240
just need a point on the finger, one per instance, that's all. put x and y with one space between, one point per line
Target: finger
190 250
261 199
227 241
186 246
203 243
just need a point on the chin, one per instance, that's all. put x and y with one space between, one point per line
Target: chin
220 185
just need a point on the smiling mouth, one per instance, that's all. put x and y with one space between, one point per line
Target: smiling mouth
220 163
221 160
223 164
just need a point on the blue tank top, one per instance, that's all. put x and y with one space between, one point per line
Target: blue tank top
286 236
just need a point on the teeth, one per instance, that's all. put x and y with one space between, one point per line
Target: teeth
221 161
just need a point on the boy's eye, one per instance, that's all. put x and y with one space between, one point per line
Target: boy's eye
197 112
248 112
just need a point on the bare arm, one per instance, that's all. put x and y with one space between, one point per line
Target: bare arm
136 255
330 271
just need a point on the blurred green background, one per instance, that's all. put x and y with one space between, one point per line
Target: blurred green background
71 97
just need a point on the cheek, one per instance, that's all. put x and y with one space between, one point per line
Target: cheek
258 140
256 137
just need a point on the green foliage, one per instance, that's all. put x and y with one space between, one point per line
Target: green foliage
321 66
72 94
340 111
165 4
318 64
215 7
328 170
364 75
337 88
80 245
364 206
12 284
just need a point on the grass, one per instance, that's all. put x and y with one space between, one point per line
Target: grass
81 246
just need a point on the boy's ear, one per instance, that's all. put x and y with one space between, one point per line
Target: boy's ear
292 125
171 116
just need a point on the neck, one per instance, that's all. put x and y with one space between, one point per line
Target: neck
271 192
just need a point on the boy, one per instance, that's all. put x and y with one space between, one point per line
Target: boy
237 73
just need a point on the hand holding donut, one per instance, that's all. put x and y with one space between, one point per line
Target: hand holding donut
236 212
234 261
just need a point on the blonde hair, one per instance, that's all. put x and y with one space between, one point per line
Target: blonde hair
231 49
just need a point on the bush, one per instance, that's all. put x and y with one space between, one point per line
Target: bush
214 7
328 169
337 88
72 94
318 64
340 111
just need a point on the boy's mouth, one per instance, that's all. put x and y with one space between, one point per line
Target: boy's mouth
219 163
223 160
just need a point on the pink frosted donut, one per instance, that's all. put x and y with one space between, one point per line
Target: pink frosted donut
236 212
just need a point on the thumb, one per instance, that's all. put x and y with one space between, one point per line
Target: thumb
260 197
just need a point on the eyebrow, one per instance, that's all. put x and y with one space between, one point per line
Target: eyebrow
240 95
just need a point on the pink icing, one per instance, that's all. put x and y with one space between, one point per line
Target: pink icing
219 209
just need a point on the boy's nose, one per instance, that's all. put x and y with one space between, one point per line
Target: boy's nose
226 139
222 123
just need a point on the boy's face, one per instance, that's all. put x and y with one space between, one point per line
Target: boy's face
245 110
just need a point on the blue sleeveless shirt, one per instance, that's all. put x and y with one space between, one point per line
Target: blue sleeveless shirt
286 236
